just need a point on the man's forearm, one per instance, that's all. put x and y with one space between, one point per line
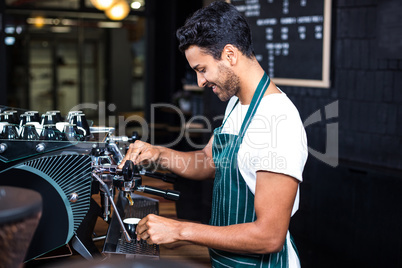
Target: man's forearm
192 165
238 238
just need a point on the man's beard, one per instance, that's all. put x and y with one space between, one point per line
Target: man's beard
228 85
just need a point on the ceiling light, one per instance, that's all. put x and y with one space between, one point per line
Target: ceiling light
118 11
39 21
102 4
9 40
9 30
135 5
18 30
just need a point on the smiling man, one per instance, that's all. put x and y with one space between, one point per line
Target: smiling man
256 157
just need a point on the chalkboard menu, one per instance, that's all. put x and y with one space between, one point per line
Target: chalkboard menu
291 39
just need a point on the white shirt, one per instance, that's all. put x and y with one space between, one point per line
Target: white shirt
274 141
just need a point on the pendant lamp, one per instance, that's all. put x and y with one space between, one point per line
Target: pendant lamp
102 4
118 11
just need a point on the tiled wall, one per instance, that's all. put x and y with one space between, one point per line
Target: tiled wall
350 214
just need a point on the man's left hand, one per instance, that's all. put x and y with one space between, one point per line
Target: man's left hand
158 230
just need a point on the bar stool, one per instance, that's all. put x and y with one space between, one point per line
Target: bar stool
20 212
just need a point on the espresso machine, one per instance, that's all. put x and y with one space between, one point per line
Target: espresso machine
68 161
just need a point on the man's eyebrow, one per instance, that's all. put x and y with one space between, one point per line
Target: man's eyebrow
196 67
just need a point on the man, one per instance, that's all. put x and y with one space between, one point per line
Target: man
257 156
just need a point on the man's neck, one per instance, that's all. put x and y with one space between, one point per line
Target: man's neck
250 75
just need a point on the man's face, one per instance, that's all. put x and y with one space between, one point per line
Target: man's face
213 73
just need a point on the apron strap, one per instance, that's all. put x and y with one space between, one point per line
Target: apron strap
257 97
230 112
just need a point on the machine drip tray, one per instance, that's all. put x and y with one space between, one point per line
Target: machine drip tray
137 248
115 242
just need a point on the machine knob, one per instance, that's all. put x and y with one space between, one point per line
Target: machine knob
134 136
3 148
129 170
73 197
40 147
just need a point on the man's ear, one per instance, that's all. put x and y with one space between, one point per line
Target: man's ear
230 54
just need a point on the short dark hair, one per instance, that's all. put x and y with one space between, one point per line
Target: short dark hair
213 27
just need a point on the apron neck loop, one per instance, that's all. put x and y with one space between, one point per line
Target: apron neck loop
257 97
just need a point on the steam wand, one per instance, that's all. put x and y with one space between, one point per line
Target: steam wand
126 235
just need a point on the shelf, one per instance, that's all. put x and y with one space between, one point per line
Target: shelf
192 125
189 87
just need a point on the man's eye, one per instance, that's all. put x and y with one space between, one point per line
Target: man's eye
202 71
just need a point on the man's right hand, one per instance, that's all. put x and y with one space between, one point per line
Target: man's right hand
196 165
141 152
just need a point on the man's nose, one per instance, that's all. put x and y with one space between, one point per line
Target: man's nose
201 80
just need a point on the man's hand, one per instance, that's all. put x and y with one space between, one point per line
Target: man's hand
158 230
141 153
196 165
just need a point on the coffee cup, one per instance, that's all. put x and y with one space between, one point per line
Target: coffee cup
49 118
13 117
72 132
49 132
28 132
58 117
10 132
71 114
2 124
35 116
131 225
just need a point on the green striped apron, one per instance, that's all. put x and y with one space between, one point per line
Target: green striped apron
233 202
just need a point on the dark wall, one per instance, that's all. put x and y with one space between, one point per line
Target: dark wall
167 69
165 62
350 214
3 82
118 69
